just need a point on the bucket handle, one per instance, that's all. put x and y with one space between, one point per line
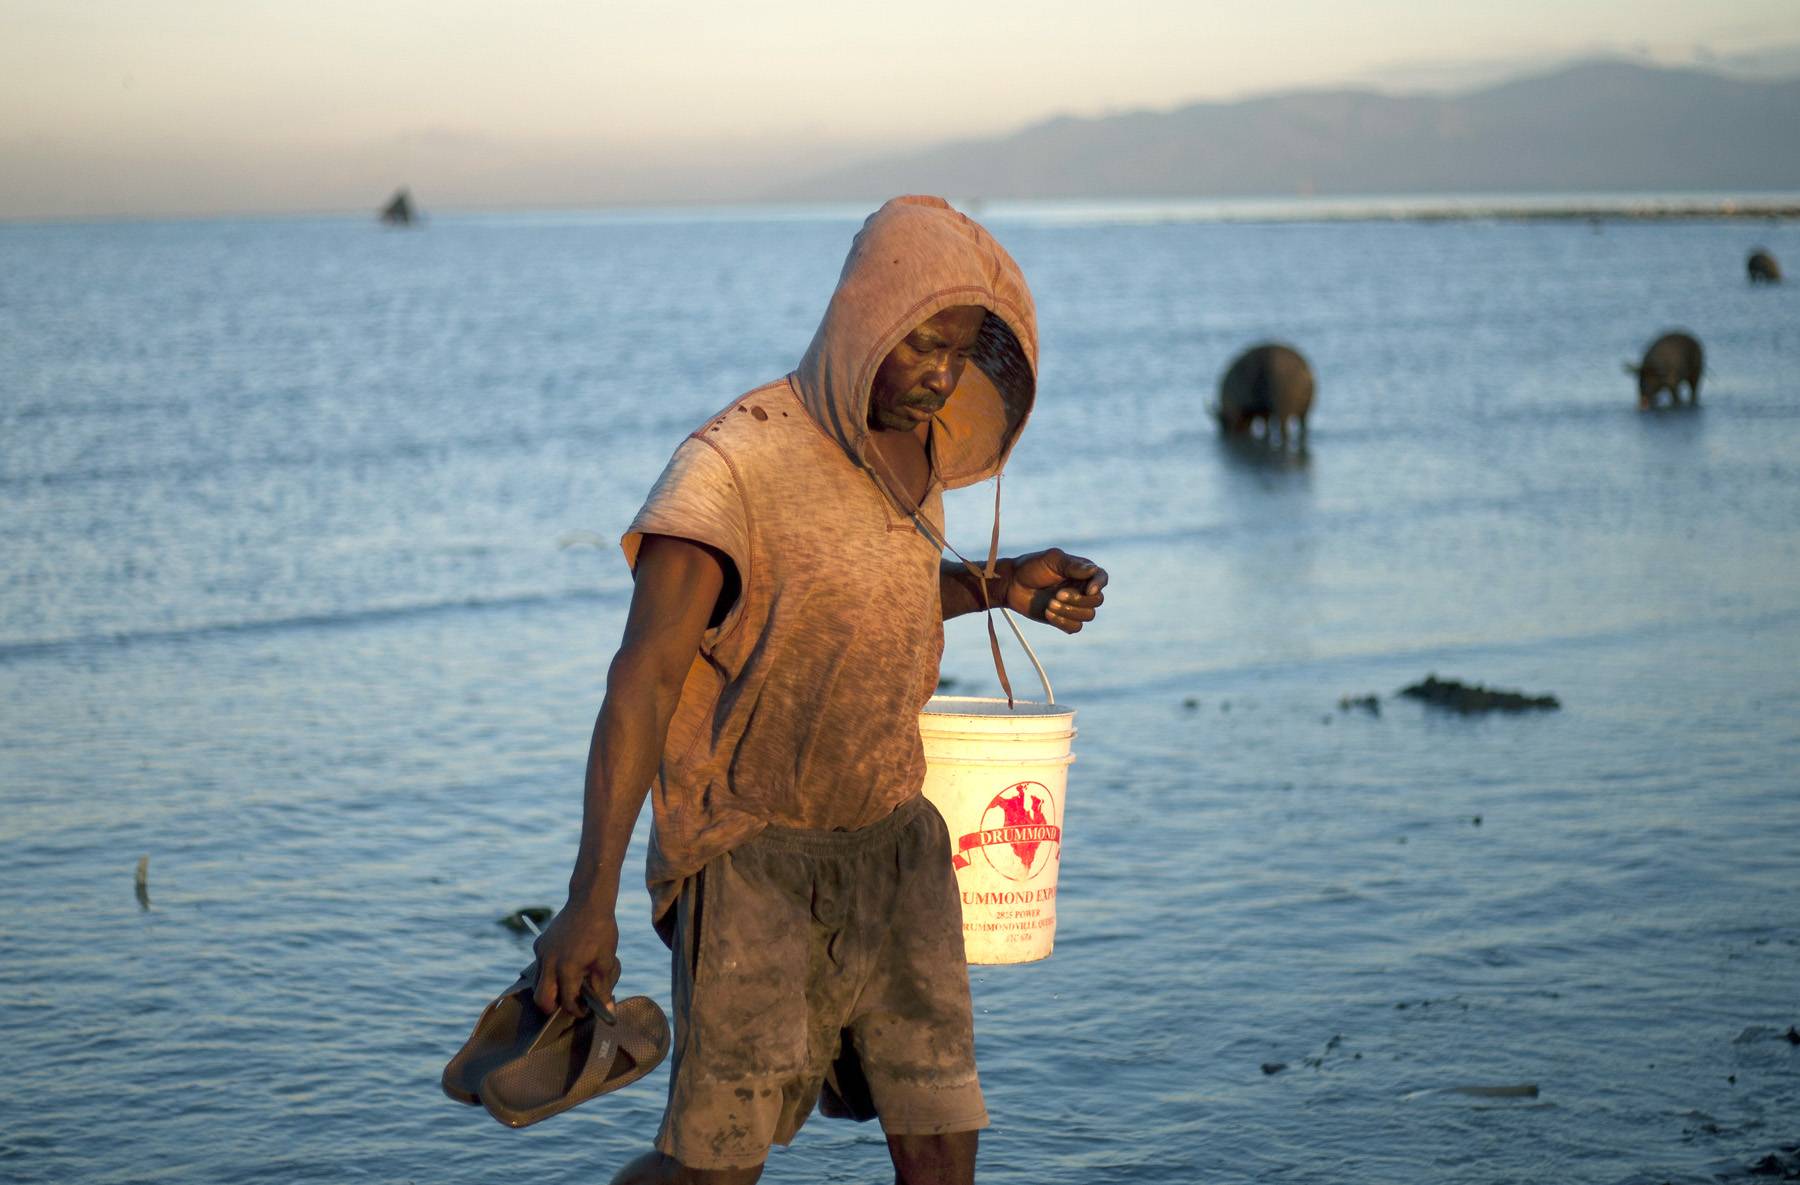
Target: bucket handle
1049 695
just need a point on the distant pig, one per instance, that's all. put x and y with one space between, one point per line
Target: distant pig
1671 360
1271 383
1763 268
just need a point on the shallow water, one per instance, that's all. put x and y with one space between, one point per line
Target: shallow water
285 610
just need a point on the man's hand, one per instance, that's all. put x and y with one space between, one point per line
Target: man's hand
1056 588
578 950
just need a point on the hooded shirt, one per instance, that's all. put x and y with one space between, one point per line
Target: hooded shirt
801 708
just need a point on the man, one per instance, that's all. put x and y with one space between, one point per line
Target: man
783 635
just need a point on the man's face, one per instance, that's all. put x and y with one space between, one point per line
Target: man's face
916 379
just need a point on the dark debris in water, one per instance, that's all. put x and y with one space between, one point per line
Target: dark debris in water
1752 1034
1703 1125
1370 703
1781 1165
1469 698
1314 1062
537 914
1331 1046
1522 1090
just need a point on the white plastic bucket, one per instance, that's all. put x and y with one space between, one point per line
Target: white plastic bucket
998 775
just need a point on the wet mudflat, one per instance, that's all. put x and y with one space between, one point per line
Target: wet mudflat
286 612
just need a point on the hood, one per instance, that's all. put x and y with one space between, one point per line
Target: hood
912 259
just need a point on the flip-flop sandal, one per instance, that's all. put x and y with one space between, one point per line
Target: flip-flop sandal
507 1026
573 1058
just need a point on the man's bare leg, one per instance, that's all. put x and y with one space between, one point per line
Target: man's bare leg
934 1160
653 1168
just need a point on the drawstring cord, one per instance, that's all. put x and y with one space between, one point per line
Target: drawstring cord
889 486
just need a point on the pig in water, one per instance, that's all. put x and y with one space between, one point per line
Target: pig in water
1272 383
1672 359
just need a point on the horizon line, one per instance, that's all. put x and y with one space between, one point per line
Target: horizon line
1494 205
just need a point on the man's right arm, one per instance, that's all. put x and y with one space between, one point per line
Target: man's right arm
678 585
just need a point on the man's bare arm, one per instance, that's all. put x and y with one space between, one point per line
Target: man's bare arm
1049 586
678 584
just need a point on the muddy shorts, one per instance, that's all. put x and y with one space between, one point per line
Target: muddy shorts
820 965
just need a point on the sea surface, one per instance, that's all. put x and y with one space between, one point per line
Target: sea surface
310 585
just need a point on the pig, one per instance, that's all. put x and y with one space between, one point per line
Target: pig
1672 359
1271 383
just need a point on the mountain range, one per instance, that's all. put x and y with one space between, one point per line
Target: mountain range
1593 126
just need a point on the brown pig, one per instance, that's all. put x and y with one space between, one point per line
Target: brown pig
1271 383
1672 359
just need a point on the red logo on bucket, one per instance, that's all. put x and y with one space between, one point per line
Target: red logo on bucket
1018 833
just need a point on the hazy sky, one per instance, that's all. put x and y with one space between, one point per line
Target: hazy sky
191 106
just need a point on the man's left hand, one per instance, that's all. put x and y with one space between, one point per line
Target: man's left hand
1056 588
